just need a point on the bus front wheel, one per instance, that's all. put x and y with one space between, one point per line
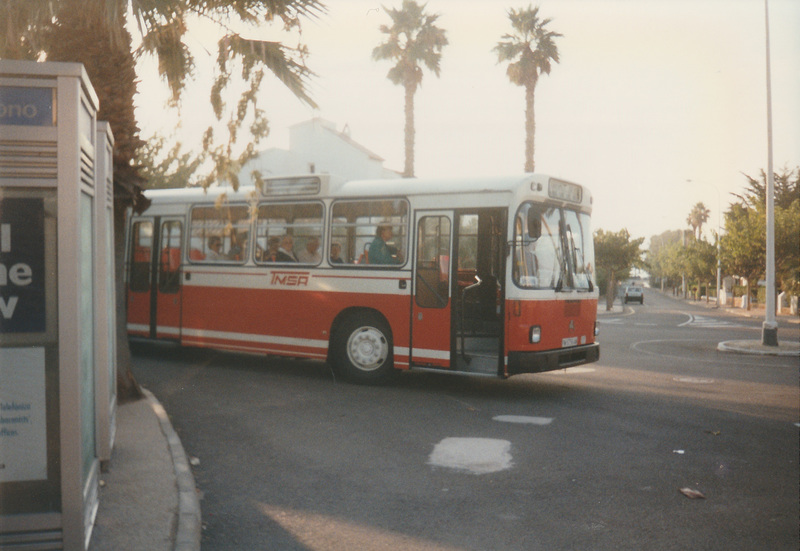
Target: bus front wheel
362 350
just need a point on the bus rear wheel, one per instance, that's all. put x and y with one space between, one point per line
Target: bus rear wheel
362 350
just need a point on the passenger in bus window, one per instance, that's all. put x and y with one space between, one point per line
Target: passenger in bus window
271 254
336 252
238 247
286 250
311 254
380 252
214 252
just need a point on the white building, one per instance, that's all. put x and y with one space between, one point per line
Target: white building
315 146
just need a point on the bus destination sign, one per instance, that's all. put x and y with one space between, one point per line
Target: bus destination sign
565 191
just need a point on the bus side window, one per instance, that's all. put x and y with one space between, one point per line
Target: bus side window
141 254
355 224
301 221
220 234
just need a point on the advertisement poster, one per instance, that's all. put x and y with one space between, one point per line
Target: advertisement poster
22 281
23 419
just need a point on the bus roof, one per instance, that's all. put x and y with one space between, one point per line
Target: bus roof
198 194
437 186
538 183
520 185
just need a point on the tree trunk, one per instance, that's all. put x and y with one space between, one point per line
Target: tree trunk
530 127
127 387
612 285
747 294
408 171
105 52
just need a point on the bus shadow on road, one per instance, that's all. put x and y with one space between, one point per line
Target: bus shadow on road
158 355
204 358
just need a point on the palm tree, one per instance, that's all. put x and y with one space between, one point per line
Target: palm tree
412 39
94 33
529 51
697 217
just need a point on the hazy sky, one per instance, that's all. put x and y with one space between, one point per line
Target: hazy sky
647 95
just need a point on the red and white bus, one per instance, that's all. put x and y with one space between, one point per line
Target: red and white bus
485 276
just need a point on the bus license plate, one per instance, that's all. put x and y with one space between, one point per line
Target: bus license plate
569 341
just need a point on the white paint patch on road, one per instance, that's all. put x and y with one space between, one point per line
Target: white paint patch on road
572 371
693 380
523 419
472 455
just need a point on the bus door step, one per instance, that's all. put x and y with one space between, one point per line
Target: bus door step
486 346
477 363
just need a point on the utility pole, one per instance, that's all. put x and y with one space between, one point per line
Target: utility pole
769 329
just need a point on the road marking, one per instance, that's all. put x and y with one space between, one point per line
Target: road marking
693 380
572 371
523 419
704 321
619 321
472 455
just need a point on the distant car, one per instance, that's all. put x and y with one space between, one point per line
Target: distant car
633 294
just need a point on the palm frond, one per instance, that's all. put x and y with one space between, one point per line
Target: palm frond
23 24
413 39
175 61
530 49
285 63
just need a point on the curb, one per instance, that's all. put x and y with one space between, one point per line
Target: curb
187 532
755 347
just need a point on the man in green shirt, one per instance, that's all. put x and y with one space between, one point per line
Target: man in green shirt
381 253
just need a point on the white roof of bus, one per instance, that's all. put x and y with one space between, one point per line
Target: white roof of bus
364 188
198 194
436 186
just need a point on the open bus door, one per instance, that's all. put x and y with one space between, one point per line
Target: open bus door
154 277
478 294
457 317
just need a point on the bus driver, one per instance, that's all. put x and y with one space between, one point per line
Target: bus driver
379 250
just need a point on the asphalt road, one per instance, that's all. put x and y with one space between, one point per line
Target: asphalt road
594 457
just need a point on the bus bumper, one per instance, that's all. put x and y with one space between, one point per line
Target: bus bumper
539 362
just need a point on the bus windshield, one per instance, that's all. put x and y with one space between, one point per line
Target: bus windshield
553 248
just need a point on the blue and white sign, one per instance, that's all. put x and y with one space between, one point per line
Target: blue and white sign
26 106
22 285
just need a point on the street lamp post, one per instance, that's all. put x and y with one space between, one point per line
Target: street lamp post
769 329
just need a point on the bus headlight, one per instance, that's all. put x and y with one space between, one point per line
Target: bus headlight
536 334
596 329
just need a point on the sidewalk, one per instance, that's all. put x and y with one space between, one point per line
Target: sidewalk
148 499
